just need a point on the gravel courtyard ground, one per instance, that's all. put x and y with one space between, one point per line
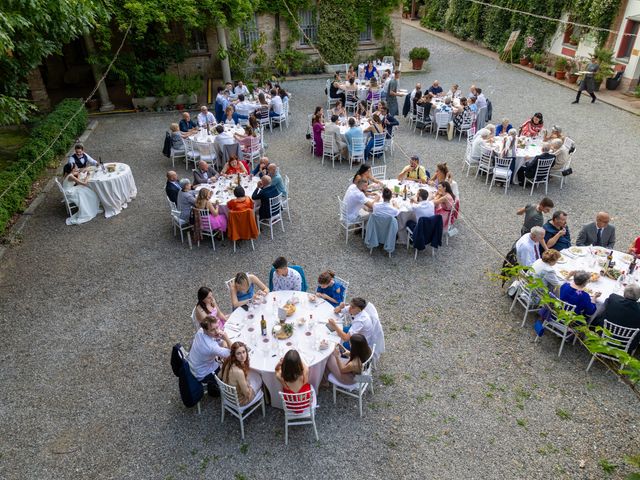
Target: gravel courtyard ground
88 316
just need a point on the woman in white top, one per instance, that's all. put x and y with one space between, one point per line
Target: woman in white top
454 92
77 191
543 268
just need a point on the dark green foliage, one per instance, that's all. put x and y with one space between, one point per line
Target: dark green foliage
44 132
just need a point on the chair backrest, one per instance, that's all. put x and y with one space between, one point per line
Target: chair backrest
262 114
229 394
389 59
621 337
564 305
378 141
206 149
503 162
343 209
380 172
286 184
467 120
194 319
442 118
357 146
345 283
298 404
205 224
66 200
297 268
228 283
241 225
351 97
543 168
568 142
274 205
485 157
327 143
420 111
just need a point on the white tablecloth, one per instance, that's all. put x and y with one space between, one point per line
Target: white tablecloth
406 212
590 259
202 137
267 351
379 68
530 149
223 189
115 189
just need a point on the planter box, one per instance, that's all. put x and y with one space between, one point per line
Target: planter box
338 67
572 78
560 74
524 62
417 63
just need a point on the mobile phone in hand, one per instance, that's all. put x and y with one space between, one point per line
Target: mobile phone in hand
331 329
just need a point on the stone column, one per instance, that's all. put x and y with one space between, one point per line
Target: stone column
222 41
105 102
38 90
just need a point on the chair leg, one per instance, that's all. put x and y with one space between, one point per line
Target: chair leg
253 247
222 413
189 240
234 246
199 411
271 226
315 430
286 432
281 223
591 362
360 404
263 409
241 427
334 394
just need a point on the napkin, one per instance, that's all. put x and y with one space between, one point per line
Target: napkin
233 327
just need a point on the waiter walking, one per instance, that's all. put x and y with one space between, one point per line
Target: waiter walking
588 82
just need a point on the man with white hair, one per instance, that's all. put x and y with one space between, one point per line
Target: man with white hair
528 246
531 166
561 153
205 173
435 89
479 140
186 199
276 179
622 310
205 117
599 233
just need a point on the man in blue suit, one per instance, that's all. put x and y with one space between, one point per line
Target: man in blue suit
264 193
173 186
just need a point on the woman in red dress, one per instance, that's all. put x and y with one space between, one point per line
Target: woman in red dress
234 166
634 248
293 374
532 127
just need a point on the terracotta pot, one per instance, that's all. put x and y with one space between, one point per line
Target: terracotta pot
573 78
560 74
524 62
417 63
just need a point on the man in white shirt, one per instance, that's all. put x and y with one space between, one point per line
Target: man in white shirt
423 207
418 88
528 247
241 89
285 278
361 321
333 130
478 142
384 208
223 137
80 158
358 206
205 117
275 104
209 344
481 100
243 108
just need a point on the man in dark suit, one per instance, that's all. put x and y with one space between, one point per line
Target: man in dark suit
173 186
529 168
623 311
264 192
205 173
599 233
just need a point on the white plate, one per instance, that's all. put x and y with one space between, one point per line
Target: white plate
577 251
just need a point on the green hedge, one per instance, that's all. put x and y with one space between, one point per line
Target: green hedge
41 135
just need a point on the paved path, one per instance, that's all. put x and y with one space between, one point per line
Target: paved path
89 314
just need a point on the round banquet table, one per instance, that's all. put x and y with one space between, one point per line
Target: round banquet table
265 352
203 137
115 190
591 259
406 212
380 68
222 189
526 148
362 123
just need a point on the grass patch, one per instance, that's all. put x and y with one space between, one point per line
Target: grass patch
563 414
607 467
521 422
387 379
424 397
204 463
240 476
11 140
244 448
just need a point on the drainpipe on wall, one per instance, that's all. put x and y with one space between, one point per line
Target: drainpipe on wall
105 101
222 41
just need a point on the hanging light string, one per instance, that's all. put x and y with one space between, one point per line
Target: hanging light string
76 113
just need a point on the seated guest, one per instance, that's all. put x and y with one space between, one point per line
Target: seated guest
481 100
358 205
354 133
207 307
599 233
422 207
264 193
557 233
479 141
384 208
330 289
262 100
215 220
205 173
555 133
186 199
634 248
622 310
350 86
446 106
504 127
293 375
442 174
234 167
187 126
414 171
173 186
209 344
561 152
275 104
245 139
345 370
444 201
276 179
364 172
82 160
375 126
285 278
243 289
351 73
236 372
361 322
573 293
205 117
261 168
454 91
241 202
533 214
78 191
223 137
243 108
229 115
509 145
240 89
177 142
473 108
362 110
543 268
435 89
530 167
532 127
370 71
332 130
335 91
317 126
373 88
528 246
416 91
338 110
459 111
388 120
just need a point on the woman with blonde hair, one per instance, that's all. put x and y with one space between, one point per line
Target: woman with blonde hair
215 220
235 372
543 268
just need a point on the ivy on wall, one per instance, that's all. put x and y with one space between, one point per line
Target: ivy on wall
491 26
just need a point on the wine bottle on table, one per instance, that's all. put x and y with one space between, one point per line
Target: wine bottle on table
632 265
263 326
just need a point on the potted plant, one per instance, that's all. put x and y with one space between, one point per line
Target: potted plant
419 55
561 65
572 73
538 61
605 59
